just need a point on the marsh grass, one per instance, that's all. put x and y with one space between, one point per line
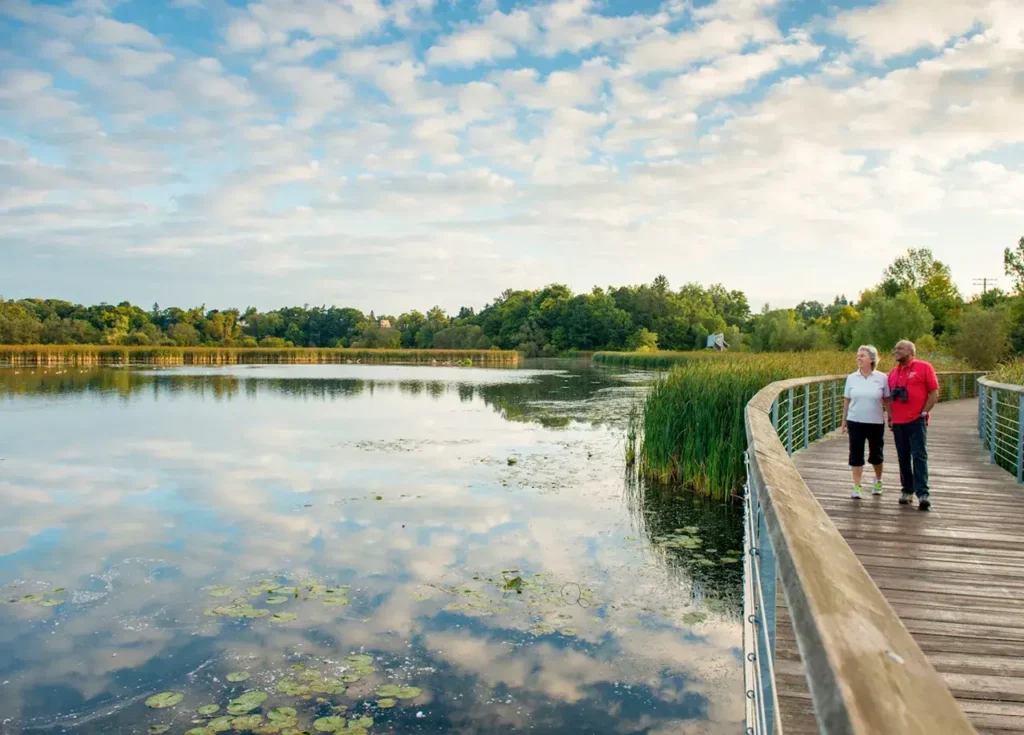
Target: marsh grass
87 355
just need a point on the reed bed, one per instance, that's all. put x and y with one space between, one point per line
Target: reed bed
692 430
90 355
1011 372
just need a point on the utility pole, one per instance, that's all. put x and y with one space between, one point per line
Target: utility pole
984 283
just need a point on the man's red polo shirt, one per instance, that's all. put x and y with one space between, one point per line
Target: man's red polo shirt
919 378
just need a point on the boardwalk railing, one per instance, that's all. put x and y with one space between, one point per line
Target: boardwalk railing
865 672
1000 422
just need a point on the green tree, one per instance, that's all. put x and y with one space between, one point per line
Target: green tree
642 340
888 320
931 280
1013 264
982 336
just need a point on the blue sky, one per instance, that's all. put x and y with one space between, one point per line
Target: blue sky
395 155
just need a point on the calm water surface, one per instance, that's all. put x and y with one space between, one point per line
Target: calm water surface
465 537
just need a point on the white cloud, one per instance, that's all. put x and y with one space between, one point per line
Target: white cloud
899 26
496 38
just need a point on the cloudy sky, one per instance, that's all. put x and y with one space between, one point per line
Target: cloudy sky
396 154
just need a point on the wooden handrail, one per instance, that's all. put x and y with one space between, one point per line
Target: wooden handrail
865 672
1009 387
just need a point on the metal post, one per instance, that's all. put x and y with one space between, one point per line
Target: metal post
950 381
789 424
821 408
981 413
1020 438
994 408
807 415
775 415
963 385
833 426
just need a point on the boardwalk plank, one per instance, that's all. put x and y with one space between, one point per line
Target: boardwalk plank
955 575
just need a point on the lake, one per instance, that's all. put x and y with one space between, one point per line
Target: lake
369 548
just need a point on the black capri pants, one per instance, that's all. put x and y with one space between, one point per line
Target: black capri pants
874 434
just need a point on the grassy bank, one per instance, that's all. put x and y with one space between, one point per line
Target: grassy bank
830 361
691 430
87 355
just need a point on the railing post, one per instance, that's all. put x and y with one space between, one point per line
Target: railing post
833 426
775 415
994 408
789 424
1020 438
821 408
950 381
963 385
981 413
807 415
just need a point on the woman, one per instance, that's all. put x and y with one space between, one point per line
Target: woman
866 404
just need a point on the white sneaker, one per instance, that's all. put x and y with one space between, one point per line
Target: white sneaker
877 489
856 494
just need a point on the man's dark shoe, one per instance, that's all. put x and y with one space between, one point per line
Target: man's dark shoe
905 498
924 503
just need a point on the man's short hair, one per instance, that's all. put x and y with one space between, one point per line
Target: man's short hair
909 344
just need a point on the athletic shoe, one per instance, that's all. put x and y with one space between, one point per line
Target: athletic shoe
924 503
877 489
905 498
855 494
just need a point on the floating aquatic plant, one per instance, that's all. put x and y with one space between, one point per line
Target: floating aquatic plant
164 700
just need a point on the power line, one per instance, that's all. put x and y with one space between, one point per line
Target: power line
985 282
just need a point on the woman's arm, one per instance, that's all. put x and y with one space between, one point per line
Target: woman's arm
846 410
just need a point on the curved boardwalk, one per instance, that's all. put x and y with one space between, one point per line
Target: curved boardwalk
954 575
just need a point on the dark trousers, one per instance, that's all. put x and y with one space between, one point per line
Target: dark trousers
911 442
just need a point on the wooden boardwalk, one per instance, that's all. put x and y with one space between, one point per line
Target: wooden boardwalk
954 575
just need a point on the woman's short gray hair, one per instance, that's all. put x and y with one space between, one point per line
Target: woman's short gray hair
872 353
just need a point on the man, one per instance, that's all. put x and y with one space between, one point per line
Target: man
915 390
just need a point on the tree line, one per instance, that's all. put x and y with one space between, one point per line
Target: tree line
915 298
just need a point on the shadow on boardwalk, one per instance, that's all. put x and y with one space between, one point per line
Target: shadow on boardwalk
954 575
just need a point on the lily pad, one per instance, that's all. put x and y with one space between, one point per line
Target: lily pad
50 603
219 590
409 692
208 709
359 659
388 690
330 724
200 731
246 722
239 611
236 676
164 700
246 703
281 713
221 724
157 729
335 601
728 560
276 600
694 617
293 591
327 686
363 722
292 688
283 617
33 597
262 588
386 703
351 678
569 631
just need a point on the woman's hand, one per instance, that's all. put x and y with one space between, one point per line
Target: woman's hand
846 429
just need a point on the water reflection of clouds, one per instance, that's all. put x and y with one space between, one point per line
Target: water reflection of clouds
209 497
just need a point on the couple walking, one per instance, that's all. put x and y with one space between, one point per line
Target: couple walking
903 399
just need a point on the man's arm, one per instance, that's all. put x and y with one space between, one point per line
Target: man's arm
846 410
932 383
933 398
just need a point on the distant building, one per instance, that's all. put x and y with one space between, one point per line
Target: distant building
385 324
717 342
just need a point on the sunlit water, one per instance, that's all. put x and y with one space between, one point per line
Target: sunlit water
469 530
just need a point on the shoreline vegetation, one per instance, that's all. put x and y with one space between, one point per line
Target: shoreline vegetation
91 355
690 431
